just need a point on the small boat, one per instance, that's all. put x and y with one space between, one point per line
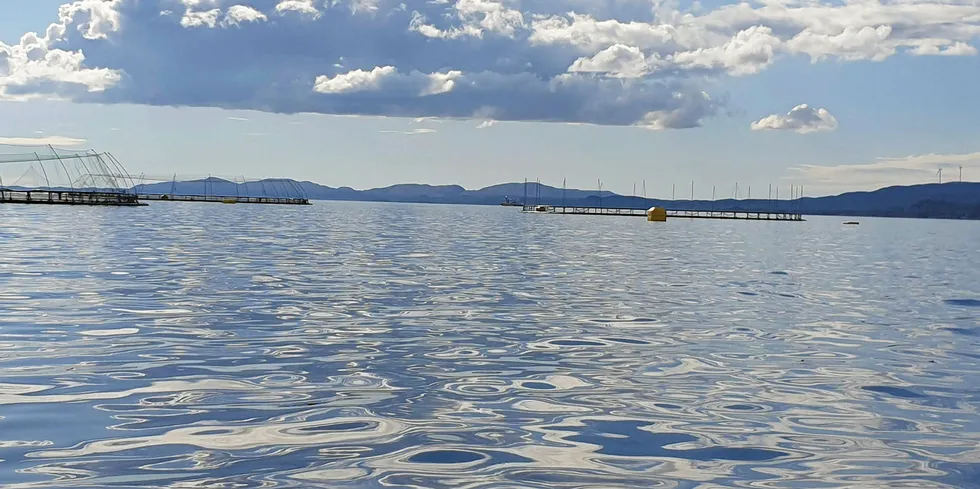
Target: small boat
511 203
851 222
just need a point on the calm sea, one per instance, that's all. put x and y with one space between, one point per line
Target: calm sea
360 345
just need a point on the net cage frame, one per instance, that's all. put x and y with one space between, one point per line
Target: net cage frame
65 170
244 187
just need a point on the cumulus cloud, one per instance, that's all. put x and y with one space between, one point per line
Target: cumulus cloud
42 141
238 14
600 62
304 7
883 172
387 79
35 67
802 119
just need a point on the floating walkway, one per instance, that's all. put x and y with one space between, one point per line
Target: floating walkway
68 197
671 213
226 199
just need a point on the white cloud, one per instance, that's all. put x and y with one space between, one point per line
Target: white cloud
802 119
208 18
617 60
387 77
237 14
940 47
95 19
748 52
32 69
43 141
304 7
908 170
486 124
853 43
476 17
354 81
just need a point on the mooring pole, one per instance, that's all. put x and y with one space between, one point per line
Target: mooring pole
563 193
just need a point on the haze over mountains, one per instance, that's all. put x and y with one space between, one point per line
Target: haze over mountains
955 200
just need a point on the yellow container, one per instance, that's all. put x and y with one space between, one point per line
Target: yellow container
657 214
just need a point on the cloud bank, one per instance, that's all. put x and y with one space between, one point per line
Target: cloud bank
802 119
612 62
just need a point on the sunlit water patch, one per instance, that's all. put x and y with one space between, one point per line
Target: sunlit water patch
205 346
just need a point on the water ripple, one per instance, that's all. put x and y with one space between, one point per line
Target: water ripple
382 345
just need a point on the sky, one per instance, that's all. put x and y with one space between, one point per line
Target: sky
833 96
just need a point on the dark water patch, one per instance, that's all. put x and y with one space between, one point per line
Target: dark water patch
626 439
745 407
446 457
627 341
961 475
964 331
538 386
963 302
893 391
778 272
576 343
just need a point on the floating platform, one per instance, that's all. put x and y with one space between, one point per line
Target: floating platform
671 213
226 199
68 197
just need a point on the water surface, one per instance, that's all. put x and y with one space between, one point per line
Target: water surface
423 346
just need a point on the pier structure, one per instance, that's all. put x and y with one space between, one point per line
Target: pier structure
599 202
671 213
235 199
68 197
53 176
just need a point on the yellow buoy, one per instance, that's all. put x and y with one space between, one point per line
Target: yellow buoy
229 201
657 214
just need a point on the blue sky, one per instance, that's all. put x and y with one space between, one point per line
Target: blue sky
835 96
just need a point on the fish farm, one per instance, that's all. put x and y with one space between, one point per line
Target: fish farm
55 176
50 176
221 190
661 210
671 213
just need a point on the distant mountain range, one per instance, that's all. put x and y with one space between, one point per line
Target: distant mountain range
955 200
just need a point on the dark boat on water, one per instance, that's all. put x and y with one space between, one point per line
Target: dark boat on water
511 203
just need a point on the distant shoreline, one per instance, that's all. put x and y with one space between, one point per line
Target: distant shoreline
954 200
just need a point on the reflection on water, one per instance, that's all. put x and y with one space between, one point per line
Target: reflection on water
370 345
